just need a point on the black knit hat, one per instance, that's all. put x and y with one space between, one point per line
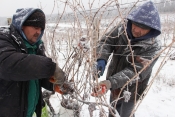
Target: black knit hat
141 25
36 19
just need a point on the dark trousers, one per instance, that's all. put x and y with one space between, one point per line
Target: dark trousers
123 108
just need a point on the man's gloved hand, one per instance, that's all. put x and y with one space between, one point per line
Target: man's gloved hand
101 63
59 77
66 88
57 88
61 85
101 88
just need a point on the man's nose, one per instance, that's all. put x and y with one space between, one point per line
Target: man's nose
137 29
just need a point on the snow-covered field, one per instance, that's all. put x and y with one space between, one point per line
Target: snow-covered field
159 102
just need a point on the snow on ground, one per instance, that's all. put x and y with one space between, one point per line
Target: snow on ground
159 102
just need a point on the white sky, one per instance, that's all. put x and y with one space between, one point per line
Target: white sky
8 7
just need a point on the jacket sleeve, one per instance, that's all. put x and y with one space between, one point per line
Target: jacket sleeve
17 66
120 78
107 44
46 84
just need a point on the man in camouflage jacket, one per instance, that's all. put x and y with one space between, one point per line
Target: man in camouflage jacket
142 28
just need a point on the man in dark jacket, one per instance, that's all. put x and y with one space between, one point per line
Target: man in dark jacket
24 68
129 59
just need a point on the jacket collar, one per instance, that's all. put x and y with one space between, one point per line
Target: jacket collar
17 38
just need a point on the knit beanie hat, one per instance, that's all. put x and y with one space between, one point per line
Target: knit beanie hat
36 19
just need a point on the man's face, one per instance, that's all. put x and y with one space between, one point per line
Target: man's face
31 33
139 32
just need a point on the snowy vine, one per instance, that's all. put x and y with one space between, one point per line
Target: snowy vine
73 48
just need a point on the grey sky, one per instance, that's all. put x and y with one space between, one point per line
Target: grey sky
8 7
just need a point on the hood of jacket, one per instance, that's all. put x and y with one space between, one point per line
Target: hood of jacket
20 17
148 15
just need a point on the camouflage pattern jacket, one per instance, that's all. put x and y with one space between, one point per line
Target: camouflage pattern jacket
144 49
121 69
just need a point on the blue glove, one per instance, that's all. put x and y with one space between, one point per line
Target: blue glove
101 63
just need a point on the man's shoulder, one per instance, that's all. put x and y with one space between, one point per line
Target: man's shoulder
150 44
117 29
4 31
4 28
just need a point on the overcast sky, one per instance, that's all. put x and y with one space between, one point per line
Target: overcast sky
8 7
